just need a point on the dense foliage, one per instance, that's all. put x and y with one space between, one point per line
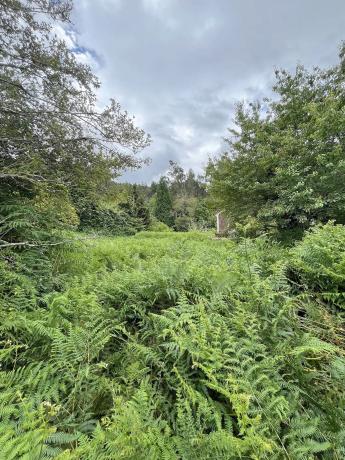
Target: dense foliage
285 167
174 346
163 203
54 143
125 217
156 344
180 200
107 221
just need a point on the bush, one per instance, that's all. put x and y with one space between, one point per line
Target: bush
250 228
157 226
59 205
107 221
182 224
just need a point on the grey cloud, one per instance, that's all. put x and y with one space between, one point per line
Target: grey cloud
180 65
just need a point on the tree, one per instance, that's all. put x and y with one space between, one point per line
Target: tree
163 205
183 183
187 190
177 178
51 133
141 211
203 216
285 165
136 207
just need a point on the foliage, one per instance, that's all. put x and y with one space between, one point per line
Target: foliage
26 219
53 139
285 166
182 223
176 346
163 205
203 215
189 208
318 262
136 207
156 226
94 218
164 345
184 183
59 206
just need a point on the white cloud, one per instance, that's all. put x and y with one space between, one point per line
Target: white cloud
208 25
108 4
69 36
183 134
62 34
161 9
157 6
180 65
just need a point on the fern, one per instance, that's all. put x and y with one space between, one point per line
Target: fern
178 348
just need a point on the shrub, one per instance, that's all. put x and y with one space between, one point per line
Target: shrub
182 224
107 221
157 226
58 205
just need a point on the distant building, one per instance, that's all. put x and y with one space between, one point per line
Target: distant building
222 224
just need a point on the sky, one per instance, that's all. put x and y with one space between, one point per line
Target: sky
180 66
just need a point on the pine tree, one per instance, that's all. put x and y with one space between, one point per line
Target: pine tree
163 208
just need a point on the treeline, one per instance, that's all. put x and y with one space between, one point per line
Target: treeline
178 201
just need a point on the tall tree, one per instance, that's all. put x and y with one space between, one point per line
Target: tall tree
285 165
177 178
182 183
163 206
51 134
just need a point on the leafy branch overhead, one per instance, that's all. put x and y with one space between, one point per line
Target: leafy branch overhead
50 123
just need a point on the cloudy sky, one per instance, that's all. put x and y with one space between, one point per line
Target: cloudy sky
181 65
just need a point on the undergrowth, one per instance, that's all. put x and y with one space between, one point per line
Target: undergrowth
174 346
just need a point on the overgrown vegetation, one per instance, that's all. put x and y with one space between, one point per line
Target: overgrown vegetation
175 346
157 344
285 169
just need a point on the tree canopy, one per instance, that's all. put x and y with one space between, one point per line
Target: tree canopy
285 165
52 135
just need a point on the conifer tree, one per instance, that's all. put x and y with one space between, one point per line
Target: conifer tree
137 207
163 208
